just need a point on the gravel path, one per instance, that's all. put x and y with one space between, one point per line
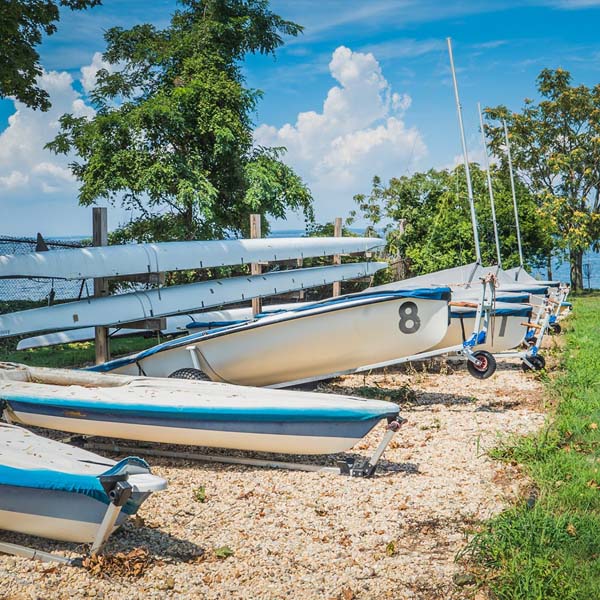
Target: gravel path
316 535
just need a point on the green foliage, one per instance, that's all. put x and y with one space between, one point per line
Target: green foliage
430 226
200 494
551 549
556 148
23 23
172 137
70 356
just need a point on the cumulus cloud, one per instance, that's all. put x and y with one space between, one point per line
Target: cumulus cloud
37 189
359 133
89 72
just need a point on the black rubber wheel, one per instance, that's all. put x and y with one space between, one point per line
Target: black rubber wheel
538 362
532 341
485 367
555 328
189 373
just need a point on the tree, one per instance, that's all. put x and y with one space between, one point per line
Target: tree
555 147
173 135
22 26
429 223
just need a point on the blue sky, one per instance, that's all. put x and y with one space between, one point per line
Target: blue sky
365 90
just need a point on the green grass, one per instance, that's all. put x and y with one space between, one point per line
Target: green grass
73 355
547 547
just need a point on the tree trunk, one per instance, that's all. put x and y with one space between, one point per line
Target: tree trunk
549 265
576 262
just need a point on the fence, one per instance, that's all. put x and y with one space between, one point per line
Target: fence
40 290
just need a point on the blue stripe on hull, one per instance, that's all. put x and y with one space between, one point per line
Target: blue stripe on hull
341 428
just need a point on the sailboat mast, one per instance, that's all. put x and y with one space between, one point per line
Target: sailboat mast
465 155
489 183
514 194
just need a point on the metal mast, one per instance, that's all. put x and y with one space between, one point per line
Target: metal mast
489 183
465 155
514 194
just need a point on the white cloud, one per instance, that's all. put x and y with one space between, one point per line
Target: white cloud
360 133
39 192
89 72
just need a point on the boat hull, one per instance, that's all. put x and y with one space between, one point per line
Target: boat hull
199 413
52 514
307 344
505 332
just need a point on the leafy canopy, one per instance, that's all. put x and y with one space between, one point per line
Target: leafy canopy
555 146
22 26
173 134
429 223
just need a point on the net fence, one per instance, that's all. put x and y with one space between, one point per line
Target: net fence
40 290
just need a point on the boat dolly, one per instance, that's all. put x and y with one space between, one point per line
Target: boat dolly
351 467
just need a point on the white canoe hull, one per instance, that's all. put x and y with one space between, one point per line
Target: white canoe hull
113 261
308 344
175 324
124 308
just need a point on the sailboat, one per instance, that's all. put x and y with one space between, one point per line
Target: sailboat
198 413
52 490
309 342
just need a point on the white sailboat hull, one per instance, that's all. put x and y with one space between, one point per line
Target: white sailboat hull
198 413
324 338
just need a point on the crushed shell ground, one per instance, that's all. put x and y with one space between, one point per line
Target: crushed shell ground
304 535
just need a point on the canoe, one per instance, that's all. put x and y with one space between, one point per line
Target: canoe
124 308
55 491
177 324
130 259
311 341
199 413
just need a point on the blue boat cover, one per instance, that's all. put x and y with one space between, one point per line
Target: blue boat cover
516 311
433 293
89 485
284 412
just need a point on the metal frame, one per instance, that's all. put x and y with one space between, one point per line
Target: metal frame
350 466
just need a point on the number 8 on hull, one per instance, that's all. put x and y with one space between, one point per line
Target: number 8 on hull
308 343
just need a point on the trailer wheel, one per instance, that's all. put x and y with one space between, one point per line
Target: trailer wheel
188 373
485 366
538 362
555 328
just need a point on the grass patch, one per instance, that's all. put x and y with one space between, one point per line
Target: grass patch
549 549
73 355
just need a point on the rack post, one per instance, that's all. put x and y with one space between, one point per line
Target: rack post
255 268
337 259
100 238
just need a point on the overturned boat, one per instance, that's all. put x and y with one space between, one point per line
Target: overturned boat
198 413
306 343
52 490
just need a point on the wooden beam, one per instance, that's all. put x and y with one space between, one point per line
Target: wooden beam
156 324
100 238
337 258
255 268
